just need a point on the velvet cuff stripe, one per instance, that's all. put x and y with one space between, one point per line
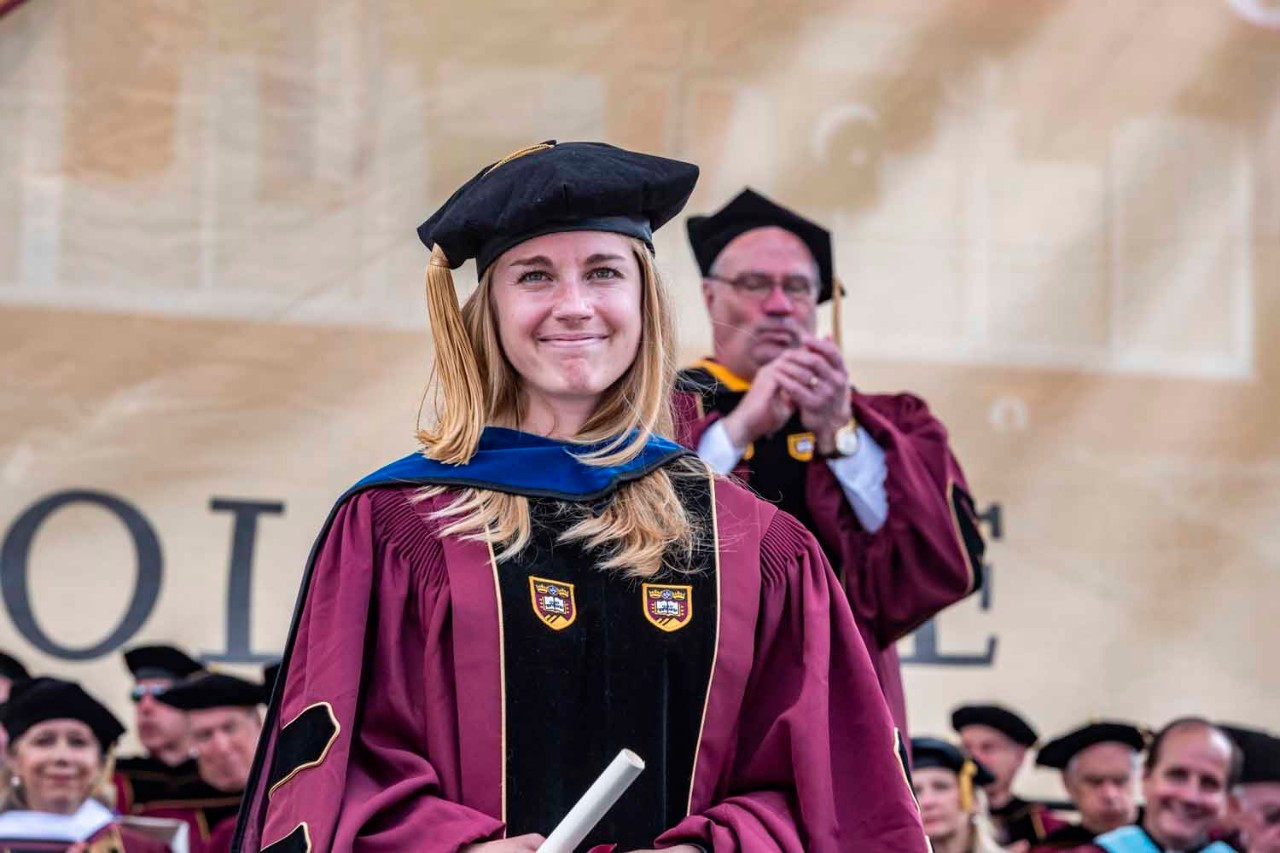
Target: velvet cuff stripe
298 841
304 742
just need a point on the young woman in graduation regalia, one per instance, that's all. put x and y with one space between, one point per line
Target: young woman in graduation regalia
949 789
61 740
486 623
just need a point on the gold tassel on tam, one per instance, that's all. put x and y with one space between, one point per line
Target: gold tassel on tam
516 155
967 772
460 394
837 314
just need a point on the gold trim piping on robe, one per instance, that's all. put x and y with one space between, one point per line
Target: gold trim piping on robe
715 655
502 672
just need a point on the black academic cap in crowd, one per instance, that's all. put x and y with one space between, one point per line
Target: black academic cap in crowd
270 674
1059 751
213 690
12 668
160 661
40 699
929 752
749 210
1243 736
1261 751
997 717
553 187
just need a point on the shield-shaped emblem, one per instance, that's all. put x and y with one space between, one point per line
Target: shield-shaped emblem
800 445
553 603
666 606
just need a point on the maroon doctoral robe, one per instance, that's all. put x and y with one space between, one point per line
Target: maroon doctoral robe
927 555
402 711
179 794
221 836
143 779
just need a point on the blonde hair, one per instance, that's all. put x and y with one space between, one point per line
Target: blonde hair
645 525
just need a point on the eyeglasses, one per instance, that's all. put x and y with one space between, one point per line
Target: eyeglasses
757 285
140 691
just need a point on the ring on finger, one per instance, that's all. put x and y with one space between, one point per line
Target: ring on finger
813 380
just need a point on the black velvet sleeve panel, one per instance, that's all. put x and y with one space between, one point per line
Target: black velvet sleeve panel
298 841
304 742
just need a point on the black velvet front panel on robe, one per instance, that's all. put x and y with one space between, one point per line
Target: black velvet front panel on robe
610 664
144 779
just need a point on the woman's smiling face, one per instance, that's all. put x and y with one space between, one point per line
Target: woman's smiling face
567 307
57 763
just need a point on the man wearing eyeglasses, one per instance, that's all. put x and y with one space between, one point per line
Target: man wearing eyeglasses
166 764
226 721
871 475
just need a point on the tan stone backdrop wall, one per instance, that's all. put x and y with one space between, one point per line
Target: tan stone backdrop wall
1059 221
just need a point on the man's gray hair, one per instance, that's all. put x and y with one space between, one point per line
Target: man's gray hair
1135 757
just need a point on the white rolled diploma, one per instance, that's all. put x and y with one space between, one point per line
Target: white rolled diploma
595 803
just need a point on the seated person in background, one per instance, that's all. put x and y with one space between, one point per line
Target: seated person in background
952 806
1256 815
1191 767
226 719
999 739
166 764
59 754
1101 764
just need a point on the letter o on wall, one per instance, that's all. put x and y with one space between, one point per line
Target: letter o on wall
14 559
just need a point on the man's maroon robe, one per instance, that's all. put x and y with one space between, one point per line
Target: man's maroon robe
145 787
1023 820
393 725
928 554
221 837
200 806
143 779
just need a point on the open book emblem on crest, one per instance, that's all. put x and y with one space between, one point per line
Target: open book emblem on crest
666 606
553 603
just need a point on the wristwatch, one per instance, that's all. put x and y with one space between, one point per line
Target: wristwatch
846 441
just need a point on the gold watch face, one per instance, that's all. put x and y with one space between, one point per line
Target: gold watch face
846 441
